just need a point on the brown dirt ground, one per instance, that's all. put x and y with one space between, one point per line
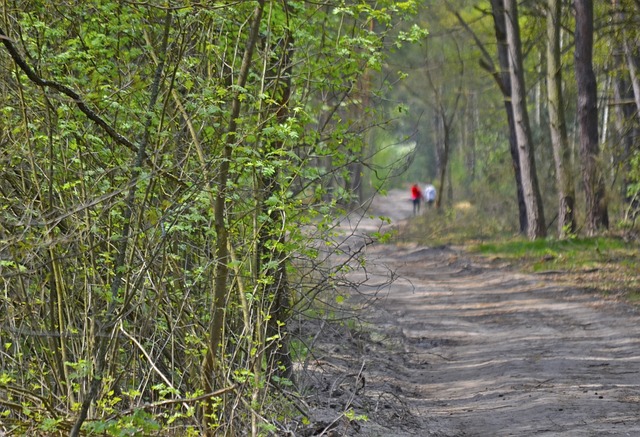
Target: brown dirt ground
456 346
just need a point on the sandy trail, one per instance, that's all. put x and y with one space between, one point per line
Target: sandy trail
457 348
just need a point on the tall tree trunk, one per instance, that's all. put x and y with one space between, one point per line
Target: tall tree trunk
557 124
627 113
443 155
634 73
271 255
504 82
469 141
595 200
535 216
222 233
442 133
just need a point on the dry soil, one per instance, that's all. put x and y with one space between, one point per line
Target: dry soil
453 346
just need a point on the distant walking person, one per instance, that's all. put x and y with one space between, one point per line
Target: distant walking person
430 194
416 197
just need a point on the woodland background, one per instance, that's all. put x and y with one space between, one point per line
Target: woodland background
171 172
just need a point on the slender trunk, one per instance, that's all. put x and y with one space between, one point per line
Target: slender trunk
365 152
627 108
470 138
444 158
594 187
557 124
279 360
634 74
504 79
535 216
210 364
627 128
110 318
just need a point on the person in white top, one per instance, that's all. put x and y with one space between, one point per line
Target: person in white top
429 194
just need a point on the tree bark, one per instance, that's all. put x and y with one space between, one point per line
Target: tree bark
277 291
595 200
627 116
444 114
222 233
504 82
535 215
557 124
634 74
469 130
443 129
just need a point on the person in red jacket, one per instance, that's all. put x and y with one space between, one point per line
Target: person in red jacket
416 197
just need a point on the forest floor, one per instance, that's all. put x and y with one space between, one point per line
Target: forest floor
458 345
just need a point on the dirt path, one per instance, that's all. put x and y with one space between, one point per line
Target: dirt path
457 348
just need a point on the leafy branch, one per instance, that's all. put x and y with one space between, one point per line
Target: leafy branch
63 89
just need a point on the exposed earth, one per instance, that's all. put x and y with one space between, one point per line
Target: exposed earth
457 346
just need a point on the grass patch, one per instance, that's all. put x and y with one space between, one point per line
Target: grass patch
571 254
608 264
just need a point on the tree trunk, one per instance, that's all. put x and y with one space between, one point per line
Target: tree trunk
504 79
595 200
535 216
557 124
109 320
469 133
272 257
443 161
634 74
222 233
627 117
